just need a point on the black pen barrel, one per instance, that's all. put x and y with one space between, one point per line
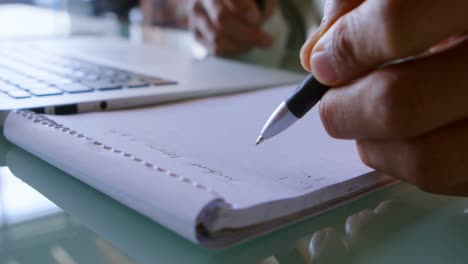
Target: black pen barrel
307 94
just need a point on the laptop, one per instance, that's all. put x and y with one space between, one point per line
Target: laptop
75 75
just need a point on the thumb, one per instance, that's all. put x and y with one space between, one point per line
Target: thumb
380 32
334 9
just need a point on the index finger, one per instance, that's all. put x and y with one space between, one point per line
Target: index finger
402 100
381 31
334 9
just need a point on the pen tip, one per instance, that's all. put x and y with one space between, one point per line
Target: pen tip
260 140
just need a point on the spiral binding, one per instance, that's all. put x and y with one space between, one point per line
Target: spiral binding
45 121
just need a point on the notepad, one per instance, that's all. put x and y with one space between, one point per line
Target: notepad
194 167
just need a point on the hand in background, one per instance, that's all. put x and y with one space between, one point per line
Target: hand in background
409 117
230 27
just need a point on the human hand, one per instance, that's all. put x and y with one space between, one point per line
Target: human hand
230 27
409 117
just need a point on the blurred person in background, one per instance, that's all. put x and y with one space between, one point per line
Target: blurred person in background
234 27
269 32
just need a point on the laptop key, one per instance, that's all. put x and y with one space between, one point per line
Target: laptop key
35 86
136 83
61 81
90 77
123 76
74 88
5 87
105 85
154 81
50 78
109 72
25 83
77 74
19 94
46 91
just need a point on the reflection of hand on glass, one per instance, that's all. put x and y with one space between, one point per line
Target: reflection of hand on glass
402 95
365 230
327 246
371 235
230 27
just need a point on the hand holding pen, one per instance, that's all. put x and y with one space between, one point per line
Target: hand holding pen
409 117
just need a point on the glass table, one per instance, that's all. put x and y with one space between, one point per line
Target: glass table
47 216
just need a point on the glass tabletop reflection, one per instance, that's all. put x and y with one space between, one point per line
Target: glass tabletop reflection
47 216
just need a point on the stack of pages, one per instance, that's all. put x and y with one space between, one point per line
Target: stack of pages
194 167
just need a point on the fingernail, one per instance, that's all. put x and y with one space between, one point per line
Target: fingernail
313 38
318 33
308 46
322 67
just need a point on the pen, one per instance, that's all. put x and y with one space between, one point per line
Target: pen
307 94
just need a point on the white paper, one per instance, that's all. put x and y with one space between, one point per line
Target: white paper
154 194
210 143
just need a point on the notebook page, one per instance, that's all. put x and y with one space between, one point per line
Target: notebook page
212 141
155 192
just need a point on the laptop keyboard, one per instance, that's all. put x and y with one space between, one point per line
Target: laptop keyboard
26 73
